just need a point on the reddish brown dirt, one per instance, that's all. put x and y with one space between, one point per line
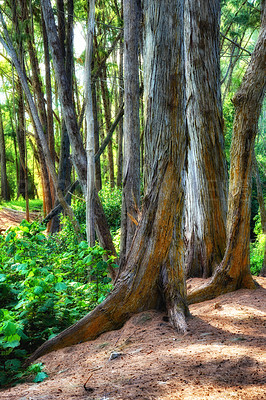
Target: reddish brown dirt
221 357
9 217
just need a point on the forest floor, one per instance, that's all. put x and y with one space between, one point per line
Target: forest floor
10 217
223 356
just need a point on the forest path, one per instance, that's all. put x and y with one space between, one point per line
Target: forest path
222 357
10 217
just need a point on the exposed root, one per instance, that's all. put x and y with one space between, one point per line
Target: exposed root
220 283
177 319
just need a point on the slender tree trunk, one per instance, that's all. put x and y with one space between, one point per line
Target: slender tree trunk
206 179
78 151
107 115
5 194
49 97
39 93
21 141
137 287
98 176
66 42
234 271
131 128
90 146
120 127
34 113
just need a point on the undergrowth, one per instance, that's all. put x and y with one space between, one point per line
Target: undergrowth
45 286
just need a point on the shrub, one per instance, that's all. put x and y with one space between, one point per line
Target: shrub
45 286
257 248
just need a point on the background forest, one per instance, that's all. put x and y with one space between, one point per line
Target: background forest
52 272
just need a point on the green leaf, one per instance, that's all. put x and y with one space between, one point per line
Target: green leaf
41 237
2 277
38 290
13 364
60 286
88 259
9 328
10 236
12 344
83 245
40 377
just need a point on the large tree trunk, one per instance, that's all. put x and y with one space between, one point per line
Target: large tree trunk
234 271
137 287
5 195
206 178
131 129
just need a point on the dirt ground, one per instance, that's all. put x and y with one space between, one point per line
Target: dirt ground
9 217
221 357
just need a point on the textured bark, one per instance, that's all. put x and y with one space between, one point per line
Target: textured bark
78 151
90 145
49 100
65 34
5 195
98 177
234 273
107 116
131 128
7 44
137 286
206 179
20 133
39 94
65 94
120 126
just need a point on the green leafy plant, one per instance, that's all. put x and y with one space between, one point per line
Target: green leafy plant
257 248
45 286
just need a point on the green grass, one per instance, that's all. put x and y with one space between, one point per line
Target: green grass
20 205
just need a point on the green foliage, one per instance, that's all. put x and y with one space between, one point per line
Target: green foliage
20 204
257 248
45 286
112 201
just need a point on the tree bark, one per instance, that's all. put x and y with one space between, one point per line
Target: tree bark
49 97
65 34
78 151
98 176
120 126
137 287
131 128
20 133
34 113
90 145
5 194
39 93
107 116
206 178
234 272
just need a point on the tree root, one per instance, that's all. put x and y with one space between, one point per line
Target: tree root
219 284
177 319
